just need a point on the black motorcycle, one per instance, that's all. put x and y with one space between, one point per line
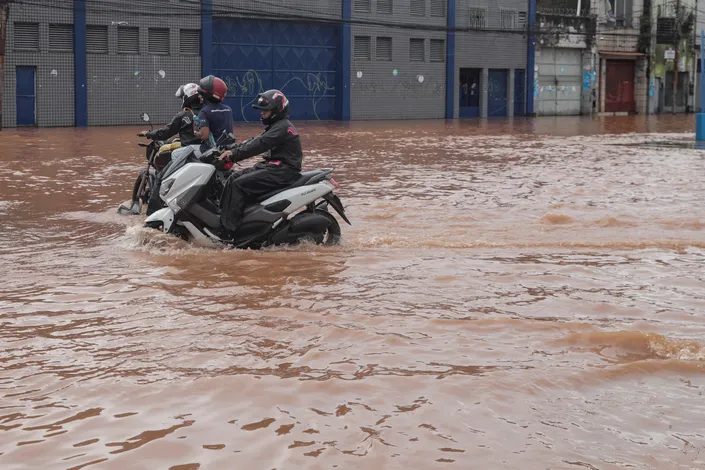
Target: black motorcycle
158 155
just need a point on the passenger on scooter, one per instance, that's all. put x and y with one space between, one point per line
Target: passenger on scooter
281 166
215 117
182 124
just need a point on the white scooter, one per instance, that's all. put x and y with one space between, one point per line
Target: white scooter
288 215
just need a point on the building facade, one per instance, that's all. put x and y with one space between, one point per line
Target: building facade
104 62
672 77
566 59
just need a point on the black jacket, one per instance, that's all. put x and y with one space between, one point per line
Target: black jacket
282 142
181 124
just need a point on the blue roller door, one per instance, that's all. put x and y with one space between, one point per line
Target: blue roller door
298 59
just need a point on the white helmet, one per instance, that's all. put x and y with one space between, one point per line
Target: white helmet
189 94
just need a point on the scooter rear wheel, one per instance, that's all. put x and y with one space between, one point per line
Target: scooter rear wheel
332 234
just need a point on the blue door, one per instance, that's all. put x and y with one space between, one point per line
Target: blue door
469 93
297 58
26 95
519 92
497 93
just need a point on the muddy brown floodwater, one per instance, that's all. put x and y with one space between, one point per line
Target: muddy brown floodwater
511 295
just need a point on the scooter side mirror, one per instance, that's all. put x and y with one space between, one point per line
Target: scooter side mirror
145 117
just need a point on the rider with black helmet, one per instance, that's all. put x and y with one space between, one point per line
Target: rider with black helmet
281 165
215 118
182 123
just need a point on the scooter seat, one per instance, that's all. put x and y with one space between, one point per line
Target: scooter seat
305 177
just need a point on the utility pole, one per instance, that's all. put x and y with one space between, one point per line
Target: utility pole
4 10
676 40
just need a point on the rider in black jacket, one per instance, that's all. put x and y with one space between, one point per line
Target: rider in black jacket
182 123
280 168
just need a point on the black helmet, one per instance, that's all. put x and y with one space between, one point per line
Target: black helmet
212 88
275 101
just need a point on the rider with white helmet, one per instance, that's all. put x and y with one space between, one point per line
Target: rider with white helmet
182 123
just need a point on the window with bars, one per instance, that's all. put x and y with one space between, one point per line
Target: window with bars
361 50
477 19
61 37
158 41
384 49
416 50
190 42
509 19
522 20
418 7
362 6
384 6
96 39
128 40
26 36
438 8
438 50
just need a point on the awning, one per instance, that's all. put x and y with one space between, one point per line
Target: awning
621 55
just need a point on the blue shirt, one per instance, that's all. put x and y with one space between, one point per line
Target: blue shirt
216 117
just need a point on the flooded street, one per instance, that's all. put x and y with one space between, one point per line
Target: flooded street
511 295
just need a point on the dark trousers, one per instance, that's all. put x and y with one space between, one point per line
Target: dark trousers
247 185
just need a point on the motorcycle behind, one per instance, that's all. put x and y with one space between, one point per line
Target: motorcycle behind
158 155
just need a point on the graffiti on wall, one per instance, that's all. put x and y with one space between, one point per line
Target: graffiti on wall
407 87
248 85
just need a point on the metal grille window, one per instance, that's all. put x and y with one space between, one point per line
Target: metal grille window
26 36
61 37
522 20
97 39
665 30
622 12
416 50
362 6
128 40
384 6
477 18
509 19
418 7
384 48
362 48
438 8
438 50
159 41
190 42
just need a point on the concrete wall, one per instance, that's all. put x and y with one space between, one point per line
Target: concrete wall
54 76
121 86
613 37
417 91
273 9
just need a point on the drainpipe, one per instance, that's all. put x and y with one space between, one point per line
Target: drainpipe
4 6
530 59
